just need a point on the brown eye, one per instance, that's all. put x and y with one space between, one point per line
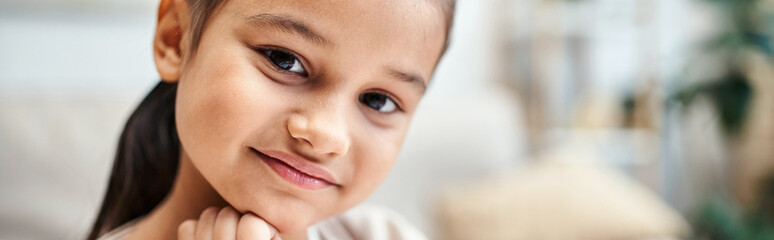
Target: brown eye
285 61
378 101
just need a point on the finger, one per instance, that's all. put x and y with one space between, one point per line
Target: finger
226 224
187 230
205 224
252 227
276 237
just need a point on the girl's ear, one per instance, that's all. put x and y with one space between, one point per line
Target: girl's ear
169 41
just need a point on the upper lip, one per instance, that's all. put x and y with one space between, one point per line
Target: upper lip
301 164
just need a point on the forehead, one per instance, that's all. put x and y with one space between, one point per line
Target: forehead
405 32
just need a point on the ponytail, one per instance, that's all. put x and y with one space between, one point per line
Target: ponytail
146 162
149 149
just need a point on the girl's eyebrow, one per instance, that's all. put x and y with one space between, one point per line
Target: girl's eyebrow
414 79
288 24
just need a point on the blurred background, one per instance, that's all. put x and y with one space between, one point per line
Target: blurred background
548 119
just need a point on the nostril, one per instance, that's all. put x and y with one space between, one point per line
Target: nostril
335 146
306 141
324 138
328 144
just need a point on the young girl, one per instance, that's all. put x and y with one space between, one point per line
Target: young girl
273 119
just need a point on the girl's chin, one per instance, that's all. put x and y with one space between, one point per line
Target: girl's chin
286 219
289 224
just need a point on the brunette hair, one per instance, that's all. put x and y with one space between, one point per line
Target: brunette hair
148 151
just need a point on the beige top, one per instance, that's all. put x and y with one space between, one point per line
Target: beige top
364 222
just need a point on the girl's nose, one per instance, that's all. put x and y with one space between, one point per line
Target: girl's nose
326 135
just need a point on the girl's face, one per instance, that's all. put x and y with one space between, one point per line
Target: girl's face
296 110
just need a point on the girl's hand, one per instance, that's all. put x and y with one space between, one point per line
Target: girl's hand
226 224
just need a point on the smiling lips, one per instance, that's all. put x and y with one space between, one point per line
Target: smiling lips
297 170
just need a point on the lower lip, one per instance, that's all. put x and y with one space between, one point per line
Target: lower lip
292 175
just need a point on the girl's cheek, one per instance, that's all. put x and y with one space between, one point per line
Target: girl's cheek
214 104
377 152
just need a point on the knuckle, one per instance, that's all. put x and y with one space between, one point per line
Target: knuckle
186 228
228 212
253 227
209 212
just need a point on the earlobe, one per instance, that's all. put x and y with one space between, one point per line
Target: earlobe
168 41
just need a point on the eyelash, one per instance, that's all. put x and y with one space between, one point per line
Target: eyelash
398 107
266 51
